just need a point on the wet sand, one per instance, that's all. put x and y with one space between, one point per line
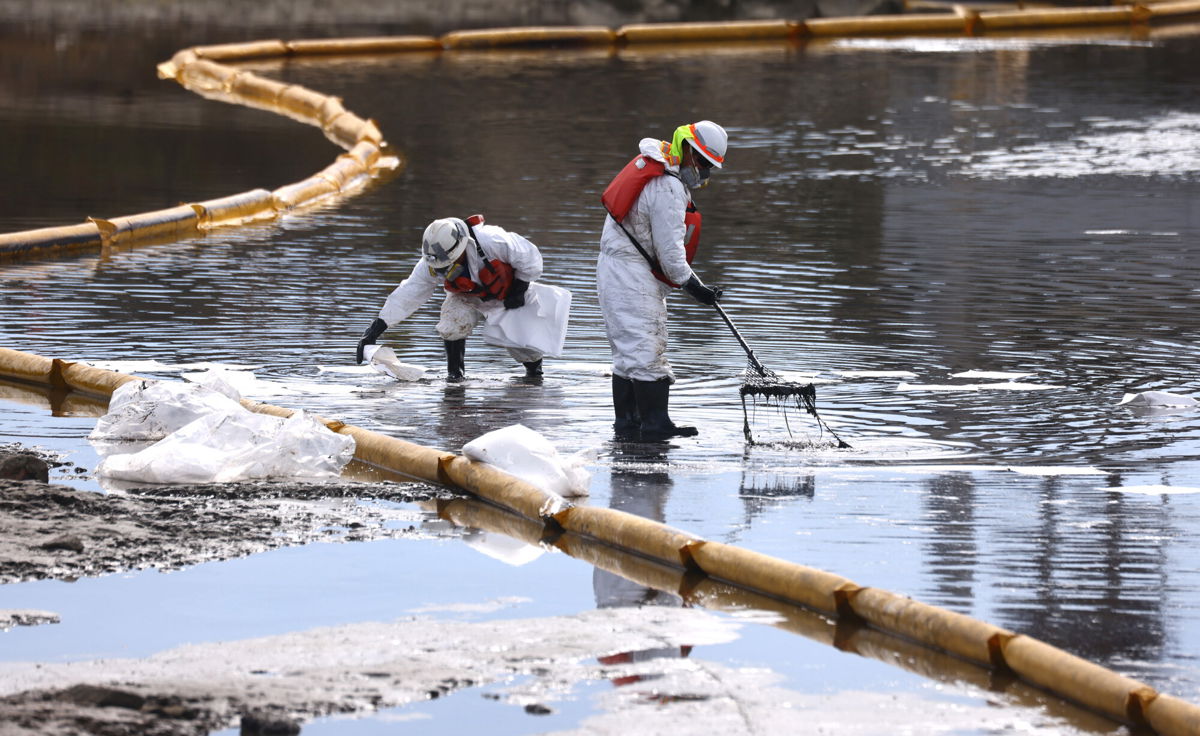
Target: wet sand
360 668
55 532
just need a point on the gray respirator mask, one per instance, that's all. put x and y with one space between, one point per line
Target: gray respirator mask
694 177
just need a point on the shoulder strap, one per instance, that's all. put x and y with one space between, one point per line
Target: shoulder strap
649 258
479 249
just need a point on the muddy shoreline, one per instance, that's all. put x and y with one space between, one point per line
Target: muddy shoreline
272 685
54 532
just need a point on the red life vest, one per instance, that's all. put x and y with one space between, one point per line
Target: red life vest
496 275
621 194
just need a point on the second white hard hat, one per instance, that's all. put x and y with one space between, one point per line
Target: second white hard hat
444 241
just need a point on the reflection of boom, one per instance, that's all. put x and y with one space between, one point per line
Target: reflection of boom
846 633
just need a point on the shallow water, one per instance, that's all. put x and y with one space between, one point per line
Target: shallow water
892 216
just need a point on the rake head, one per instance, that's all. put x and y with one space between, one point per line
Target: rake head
764 384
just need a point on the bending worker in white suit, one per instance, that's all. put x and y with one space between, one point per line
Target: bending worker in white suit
481 268
650 236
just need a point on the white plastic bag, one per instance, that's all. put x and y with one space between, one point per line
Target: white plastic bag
520 451
242 445
202 435
384 360
539 325
1162 399
1158 403
234 384
150 410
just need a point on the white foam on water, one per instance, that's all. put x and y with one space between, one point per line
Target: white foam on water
1150 233
154 366
902 386
1017 386
1154 490
352 369
877 449
1054 470
994 375
877 374
591 369
1164 399
802 377
1005 386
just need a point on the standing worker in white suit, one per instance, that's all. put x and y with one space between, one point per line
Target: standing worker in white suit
480 268
646 249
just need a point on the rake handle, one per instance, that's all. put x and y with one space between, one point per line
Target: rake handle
741 340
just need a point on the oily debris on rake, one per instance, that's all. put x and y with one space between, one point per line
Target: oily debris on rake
759 382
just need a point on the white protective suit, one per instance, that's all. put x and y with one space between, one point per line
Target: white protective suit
460 312
633 302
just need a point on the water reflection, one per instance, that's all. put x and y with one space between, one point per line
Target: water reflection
950 507
764 491
1089 554
640 485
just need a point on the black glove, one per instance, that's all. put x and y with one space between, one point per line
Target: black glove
516 294
700 292
368 337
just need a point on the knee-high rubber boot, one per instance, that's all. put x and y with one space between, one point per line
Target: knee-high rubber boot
652 398
456 358
625 407
533 370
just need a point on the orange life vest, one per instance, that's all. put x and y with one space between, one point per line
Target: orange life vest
495 277
621 194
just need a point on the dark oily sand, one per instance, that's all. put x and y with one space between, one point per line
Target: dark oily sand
49 531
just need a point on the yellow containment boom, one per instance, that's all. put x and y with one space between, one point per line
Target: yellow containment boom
525 37
544 515
708 32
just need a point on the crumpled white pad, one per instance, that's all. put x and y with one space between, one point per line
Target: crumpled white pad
1158 398
384 360
520 451
204 436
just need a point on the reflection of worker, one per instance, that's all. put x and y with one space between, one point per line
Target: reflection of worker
642 491
481 268
649 239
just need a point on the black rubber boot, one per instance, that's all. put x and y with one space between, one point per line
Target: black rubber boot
652 398
625 407
456 358
533 371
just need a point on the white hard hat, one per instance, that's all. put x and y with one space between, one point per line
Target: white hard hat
444 241
710 140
